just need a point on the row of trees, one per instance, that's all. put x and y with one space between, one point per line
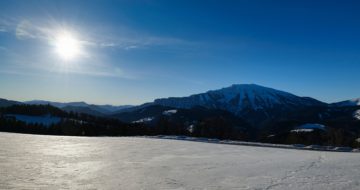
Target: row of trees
75 124
344 133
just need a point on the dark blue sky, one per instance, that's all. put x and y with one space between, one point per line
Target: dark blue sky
135 51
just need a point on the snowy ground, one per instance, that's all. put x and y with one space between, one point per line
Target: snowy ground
55 162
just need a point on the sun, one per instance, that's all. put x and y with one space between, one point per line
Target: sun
67 46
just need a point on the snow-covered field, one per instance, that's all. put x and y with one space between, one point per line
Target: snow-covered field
56 162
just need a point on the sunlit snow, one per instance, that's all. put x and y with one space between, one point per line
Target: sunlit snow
312 126
169 112
302 130
144 120
58 162
357 114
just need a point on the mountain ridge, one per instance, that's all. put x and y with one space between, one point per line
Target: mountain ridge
244 100
79 106
351 102
236 93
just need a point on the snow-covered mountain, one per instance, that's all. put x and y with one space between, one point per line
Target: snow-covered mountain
352 102
256 104
241 99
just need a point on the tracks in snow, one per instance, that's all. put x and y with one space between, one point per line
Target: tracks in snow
290 175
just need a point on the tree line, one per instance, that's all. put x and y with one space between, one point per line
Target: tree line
77 124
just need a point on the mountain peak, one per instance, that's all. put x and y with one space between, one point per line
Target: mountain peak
80 104
239 97
247 87
356 100
352 102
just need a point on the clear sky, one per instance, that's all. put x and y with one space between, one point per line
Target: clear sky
131 52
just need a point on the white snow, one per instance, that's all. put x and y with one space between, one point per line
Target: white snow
302 130
357 114
46 120
169 112
191 128
58 162
311 126
144 120
356 101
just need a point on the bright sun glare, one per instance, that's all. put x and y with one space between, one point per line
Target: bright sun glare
67 46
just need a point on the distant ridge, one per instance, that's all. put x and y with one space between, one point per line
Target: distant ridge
252 101
239 97
7 103
352 102
81 107
257 104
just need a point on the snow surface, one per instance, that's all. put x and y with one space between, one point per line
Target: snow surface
144 120
58 162
312 126
169 112
302 130
46 120
357 114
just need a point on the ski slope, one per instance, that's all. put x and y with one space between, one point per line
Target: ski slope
57 162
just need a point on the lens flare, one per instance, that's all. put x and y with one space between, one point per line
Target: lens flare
67 46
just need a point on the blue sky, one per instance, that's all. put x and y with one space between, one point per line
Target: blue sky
136 51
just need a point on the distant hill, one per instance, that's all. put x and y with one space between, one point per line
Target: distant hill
256 104
6 103
352 102
82 107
